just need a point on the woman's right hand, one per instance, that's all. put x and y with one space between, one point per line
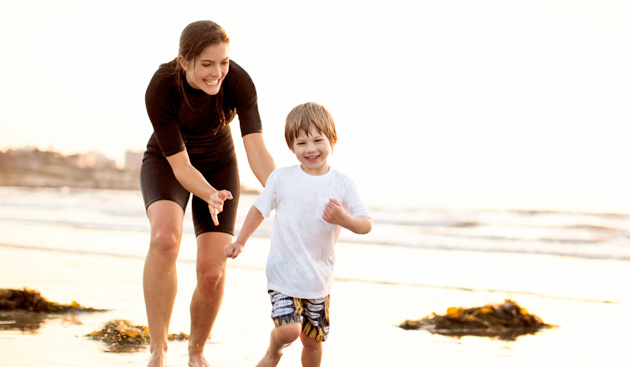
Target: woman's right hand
215 204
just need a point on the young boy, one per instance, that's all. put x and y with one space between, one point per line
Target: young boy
312 203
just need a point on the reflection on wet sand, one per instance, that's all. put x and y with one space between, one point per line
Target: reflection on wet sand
22 321
26 310
30 322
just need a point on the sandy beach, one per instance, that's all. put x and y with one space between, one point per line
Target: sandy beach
375 290
89 247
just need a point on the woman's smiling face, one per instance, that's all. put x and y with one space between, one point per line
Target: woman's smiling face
209 69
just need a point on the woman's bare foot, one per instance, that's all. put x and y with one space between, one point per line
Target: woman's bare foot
157 360
198 360
269 360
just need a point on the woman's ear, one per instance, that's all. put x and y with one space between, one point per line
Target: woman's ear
182 62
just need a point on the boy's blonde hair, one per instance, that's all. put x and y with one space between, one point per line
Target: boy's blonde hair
305 116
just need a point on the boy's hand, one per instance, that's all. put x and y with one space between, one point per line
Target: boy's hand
215 204
233 249
334 213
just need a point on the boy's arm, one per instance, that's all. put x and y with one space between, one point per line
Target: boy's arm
252 221
335 213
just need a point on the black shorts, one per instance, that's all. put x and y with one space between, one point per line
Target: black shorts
158 182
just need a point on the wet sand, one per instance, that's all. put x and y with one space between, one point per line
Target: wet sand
376 289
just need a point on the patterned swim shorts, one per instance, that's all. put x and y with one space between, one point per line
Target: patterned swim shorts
311 313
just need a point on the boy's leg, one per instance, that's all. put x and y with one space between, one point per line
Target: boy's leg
281 337
314 330
286 315
312 351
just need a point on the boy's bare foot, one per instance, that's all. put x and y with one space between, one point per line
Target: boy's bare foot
269 360
198 360
157 360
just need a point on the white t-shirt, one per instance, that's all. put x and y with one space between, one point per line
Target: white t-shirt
302 257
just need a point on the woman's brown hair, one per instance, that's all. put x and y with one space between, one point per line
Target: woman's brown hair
193 40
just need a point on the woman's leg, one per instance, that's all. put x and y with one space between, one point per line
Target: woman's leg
160 275
208 294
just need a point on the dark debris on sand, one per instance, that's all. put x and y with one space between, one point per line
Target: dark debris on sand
505 321
123 336
32 301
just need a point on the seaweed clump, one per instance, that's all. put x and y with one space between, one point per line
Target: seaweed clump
505 321
32 301
123 336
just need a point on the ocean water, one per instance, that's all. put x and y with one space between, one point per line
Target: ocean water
588 235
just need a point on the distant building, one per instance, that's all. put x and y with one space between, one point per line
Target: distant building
83 160
93 160
133 160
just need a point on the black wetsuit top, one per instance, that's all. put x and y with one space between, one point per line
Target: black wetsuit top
191 124
176 126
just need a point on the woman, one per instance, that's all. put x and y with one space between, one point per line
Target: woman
190 102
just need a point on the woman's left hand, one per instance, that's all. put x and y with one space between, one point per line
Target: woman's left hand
215 204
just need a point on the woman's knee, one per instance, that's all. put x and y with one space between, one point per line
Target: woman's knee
165 243
211 260
166 219
210 277
165 240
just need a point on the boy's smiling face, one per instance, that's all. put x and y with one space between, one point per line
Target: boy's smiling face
312 151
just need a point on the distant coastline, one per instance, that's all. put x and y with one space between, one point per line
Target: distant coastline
31 167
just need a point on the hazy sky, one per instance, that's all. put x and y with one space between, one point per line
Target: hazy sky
492 102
